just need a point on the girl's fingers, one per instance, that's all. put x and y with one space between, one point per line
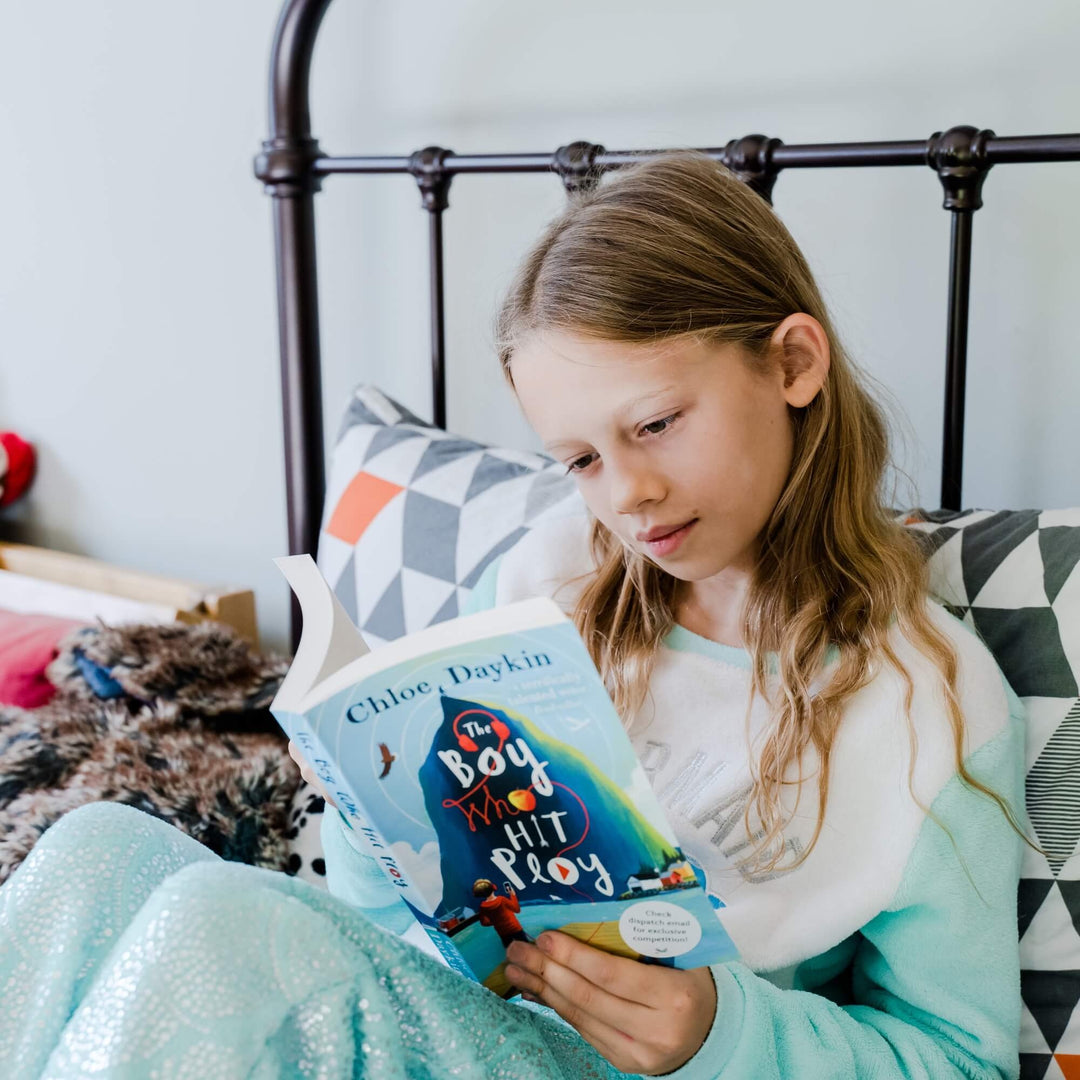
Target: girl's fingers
614 1044
630 980
294 753
583 999
308 774
305 769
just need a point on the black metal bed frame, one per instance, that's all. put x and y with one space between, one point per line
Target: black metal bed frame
292 165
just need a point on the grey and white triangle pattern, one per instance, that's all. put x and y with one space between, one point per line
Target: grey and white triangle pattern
1014 576
464 504
1053 793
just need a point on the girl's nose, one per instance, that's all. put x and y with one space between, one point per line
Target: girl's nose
633 485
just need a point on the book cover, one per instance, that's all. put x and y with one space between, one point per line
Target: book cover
485 765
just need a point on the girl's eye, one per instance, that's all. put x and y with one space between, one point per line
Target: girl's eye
580 464
659 426
654 427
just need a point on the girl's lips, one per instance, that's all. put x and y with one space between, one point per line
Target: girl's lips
665 545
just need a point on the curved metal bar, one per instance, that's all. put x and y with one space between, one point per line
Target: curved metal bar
290 67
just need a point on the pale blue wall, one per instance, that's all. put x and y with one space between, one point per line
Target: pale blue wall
138 345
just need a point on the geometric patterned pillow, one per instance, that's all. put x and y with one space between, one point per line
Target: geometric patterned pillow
1014 576
413 514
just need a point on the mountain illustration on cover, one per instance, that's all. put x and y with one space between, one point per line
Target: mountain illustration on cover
512 804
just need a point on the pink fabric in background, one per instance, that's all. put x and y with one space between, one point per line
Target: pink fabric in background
27 647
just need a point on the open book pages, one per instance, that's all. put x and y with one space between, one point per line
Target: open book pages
482 763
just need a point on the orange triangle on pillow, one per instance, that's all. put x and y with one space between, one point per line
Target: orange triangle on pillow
1069 1065
358 506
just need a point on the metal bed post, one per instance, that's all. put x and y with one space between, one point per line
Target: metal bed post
285 167
428 166
959 158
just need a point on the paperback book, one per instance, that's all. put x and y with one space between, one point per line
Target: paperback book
483 765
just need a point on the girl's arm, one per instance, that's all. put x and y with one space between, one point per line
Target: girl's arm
935 977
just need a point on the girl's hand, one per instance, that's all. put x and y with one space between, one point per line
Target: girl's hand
642 1017
307 773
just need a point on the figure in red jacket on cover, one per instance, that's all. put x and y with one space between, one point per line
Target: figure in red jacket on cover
498 911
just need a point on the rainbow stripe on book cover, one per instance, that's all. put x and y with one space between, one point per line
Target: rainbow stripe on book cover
497 786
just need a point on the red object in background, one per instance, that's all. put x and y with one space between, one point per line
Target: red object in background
17 461
27 647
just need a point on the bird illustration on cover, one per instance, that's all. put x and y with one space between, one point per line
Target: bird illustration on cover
513 804
387 759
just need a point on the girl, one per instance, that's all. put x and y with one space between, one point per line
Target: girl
840 755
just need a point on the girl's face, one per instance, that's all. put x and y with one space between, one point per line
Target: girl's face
680 449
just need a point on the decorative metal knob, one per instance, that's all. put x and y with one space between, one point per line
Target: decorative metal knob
284 165
750 159
576 166
428 166
958 156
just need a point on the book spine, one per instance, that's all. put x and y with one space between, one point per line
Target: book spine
450 953
301 732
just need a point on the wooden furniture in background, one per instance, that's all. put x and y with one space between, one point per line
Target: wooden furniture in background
190 602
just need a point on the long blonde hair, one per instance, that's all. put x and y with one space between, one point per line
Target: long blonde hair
677 246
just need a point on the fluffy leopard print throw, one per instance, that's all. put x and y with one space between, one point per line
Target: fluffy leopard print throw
171 719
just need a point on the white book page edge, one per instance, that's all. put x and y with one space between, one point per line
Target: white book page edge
328 640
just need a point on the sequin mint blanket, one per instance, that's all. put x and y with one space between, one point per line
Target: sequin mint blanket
128 950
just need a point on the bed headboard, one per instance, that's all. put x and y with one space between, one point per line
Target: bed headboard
292 165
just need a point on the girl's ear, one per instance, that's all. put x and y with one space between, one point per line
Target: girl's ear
802 350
